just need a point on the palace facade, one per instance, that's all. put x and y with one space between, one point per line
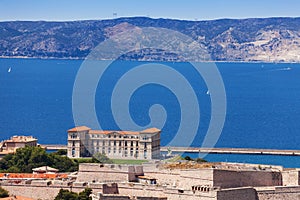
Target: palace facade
84 142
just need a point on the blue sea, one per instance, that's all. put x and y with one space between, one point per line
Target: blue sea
263 104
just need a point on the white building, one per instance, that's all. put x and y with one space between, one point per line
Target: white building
84 142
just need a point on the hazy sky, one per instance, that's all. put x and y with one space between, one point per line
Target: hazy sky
184 9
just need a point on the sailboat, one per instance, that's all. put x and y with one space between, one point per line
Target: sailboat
208 93
9 70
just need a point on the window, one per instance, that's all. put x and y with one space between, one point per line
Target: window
120 143
137 144
145 138
73 152
131 152
136 153
115 143
131 143
73 143
125 143
125 152
115 150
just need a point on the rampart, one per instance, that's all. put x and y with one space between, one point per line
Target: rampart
276 193
213 183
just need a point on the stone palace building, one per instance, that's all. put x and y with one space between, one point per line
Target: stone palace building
84 142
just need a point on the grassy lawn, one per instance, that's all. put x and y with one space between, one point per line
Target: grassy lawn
82 160
130 162
114 161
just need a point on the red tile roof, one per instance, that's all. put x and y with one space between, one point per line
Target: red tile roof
106 132
79 128
31 176
151 130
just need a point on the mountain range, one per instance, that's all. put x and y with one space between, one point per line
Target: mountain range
255 39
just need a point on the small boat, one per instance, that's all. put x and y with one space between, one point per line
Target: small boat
208 93
9 70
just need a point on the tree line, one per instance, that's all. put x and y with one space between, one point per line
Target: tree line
27 158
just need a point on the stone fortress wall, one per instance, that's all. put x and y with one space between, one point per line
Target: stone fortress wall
213 183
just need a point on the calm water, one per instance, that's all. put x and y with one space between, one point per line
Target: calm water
263 104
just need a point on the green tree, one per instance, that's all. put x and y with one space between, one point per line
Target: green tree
85 194
63 163
5 162
27 158
101 158
66 195
61 152
3 193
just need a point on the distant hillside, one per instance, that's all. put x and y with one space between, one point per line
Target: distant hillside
269 40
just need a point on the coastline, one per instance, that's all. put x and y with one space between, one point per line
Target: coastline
208 61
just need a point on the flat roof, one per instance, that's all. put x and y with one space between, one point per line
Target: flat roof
17 139
107 132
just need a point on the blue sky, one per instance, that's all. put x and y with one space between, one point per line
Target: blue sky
60 10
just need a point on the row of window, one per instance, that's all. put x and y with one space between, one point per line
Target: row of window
113 136
115 143
75 135
98 143
127 152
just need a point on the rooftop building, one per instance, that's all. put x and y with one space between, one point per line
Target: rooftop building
15 142
84 142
